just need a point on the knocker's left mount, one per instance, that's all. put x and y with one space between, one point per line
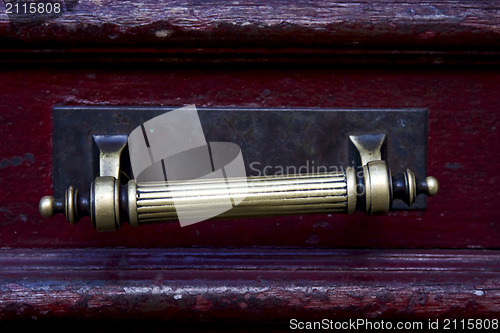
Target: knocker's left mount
367 184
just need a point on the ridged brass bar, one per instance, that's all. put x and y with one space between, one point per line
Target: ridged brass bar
264 196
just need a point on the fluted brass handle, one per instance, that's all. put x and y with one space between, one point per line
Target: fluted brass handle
260 196
109 205
370 188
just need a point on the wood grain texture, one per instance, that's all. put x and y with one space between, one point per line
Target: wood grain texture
254 54
233 288
445 24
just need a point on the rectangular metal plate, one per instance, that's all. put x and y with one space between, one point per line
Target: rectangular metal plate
272 141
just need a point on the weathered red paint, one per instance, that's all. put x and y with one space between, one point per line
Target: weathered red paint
442 55
268 285
413 24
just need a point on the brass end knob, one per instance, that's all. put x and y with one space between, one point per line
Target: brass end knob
73 206
432 186
47 206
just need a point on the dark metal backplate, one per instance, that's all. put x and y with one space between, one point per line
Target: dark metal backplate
273 141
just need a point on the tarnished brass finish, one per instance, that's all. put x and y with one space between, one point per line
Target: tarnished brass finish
373 191
105 204
352 194
377 187
369 147
262 196
132 203
47 206
376 174
110 150
71 204
411 186
432 186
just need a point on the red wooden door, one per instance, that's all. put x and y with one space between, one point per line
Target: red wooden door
441 263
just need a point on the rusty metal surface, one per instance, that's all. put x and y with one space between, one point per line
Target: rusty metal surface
273 141
235 287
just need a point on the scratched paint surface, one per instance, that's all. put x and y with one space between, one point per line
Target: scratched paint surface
358 24
233 287
254 54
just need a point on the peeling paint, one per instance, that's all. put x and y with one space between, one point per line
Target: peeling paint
478 292
163 33
454 166
17 160
202 304
313 239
